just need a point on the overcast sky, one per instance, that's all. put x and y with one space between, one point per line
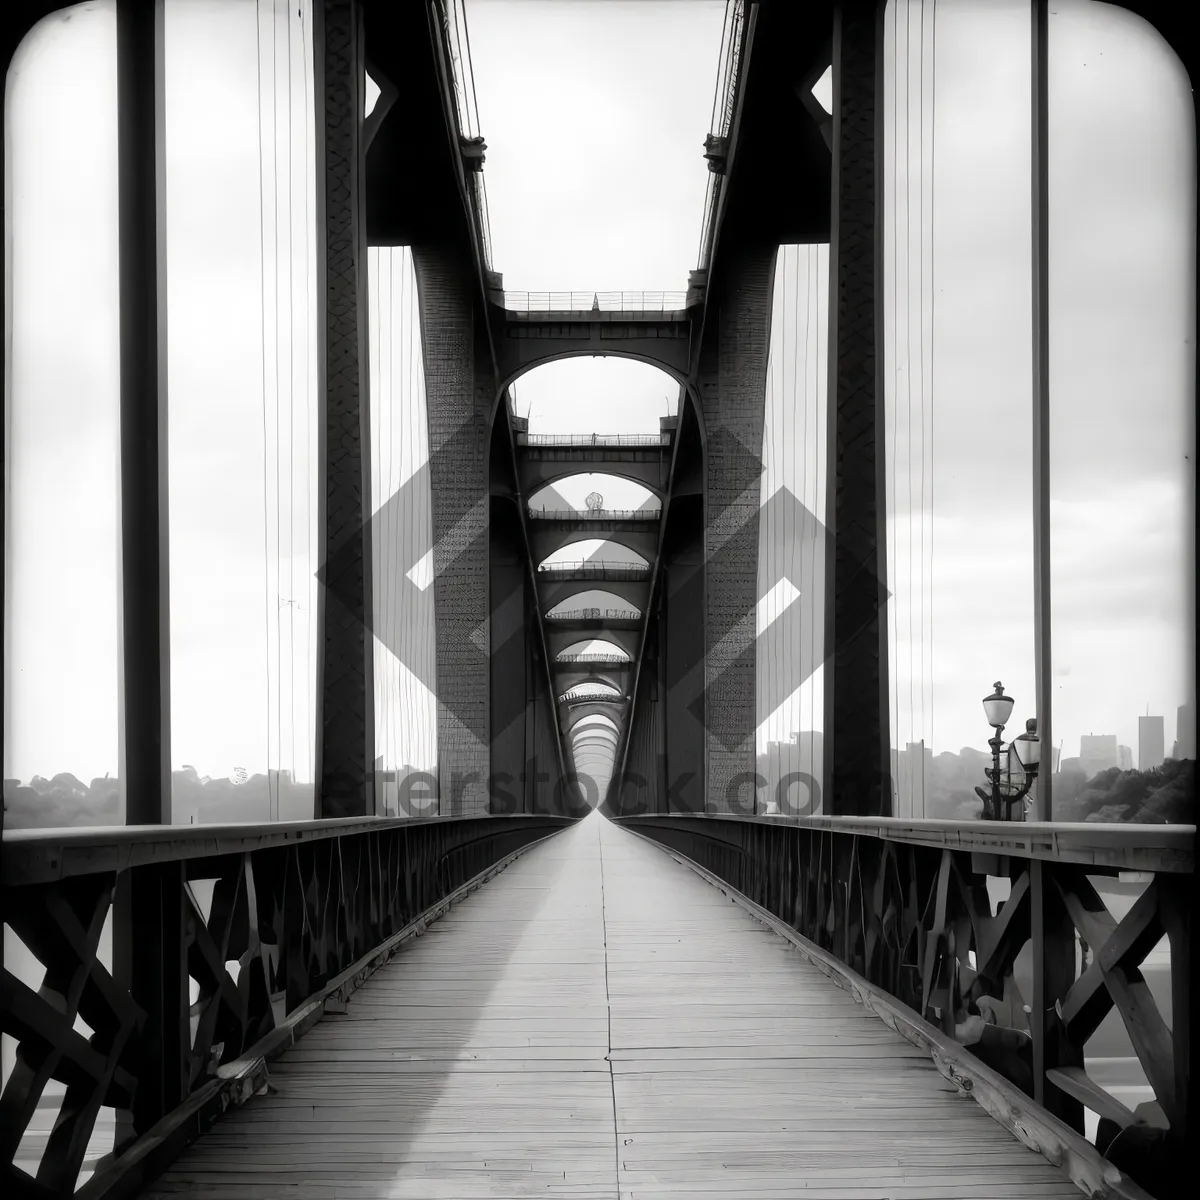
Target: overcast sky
595 115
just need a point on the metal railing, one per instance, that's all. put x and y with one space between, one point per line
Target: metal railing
899 912
589 567
586 692
458 46
724 98
303 910
595 514
595 614
612 660
658 302
599 440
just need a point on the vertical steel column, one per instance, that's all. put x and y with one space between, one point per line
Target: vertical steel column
150 958
145 739
1040 239
1052 963
345 686
856 689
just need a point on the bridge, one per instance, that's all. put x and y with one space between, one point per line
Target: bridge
594 946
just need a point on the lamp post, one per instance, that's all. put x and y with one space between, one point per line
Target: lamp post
1024 757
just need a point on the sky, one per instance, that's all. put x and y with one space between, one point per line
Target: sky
595 116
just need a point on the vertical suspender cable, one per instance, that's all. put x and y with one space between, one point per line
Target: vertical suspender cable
908 440
309 455
262 191
275 327
291 410
921 383
932 344
812 487
890 461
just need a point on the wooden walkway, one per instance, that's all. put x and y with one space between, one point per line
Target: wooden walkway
597 1021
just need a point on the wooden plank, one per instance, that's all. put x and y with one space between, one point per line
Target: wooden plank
1076 1082
1149 1034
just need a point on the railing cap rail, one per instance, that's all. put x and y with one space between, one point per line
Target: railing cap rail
596 514
1122 845
590 440
590 567
592 301
38 855
615 659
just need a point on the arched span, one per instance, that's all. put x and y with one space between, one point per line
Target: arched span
601 719
568 676
676 372
612 470
565 592
596 645
602 396
574 552
551 538
590 691
594 739
579 712
629 496
594 602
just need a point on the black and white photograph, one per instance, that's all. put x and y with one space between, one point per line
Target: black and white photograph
599 599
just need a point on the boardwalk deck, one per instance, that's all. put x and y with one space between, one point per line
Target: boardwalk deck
600 1022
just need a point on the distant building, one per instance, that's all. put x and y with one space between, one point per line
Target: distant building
912 771
1125 758
1098 752
801 759
1150 743
1185 732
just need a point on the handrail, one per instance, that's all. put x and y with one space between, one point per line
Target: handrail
1123 845
613 660
657 302
724 97
576 693
596 514
595 614
462 77
593 439
37 855
615 570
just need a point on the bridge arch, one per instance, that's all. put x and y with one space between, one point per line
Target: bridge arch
593 736
571 677
555 592
640 474
599 718
547 537
600 644
561 554
588 599
674 368
577 712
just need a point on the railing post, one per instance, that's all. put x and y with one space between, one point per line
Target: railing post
1052 941
145 740
150 960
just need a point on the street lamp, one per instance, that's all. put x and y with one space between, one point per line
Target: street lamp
1024 755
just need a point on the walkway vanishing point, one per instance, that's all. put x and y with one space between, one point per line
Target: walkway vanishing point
599 1021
